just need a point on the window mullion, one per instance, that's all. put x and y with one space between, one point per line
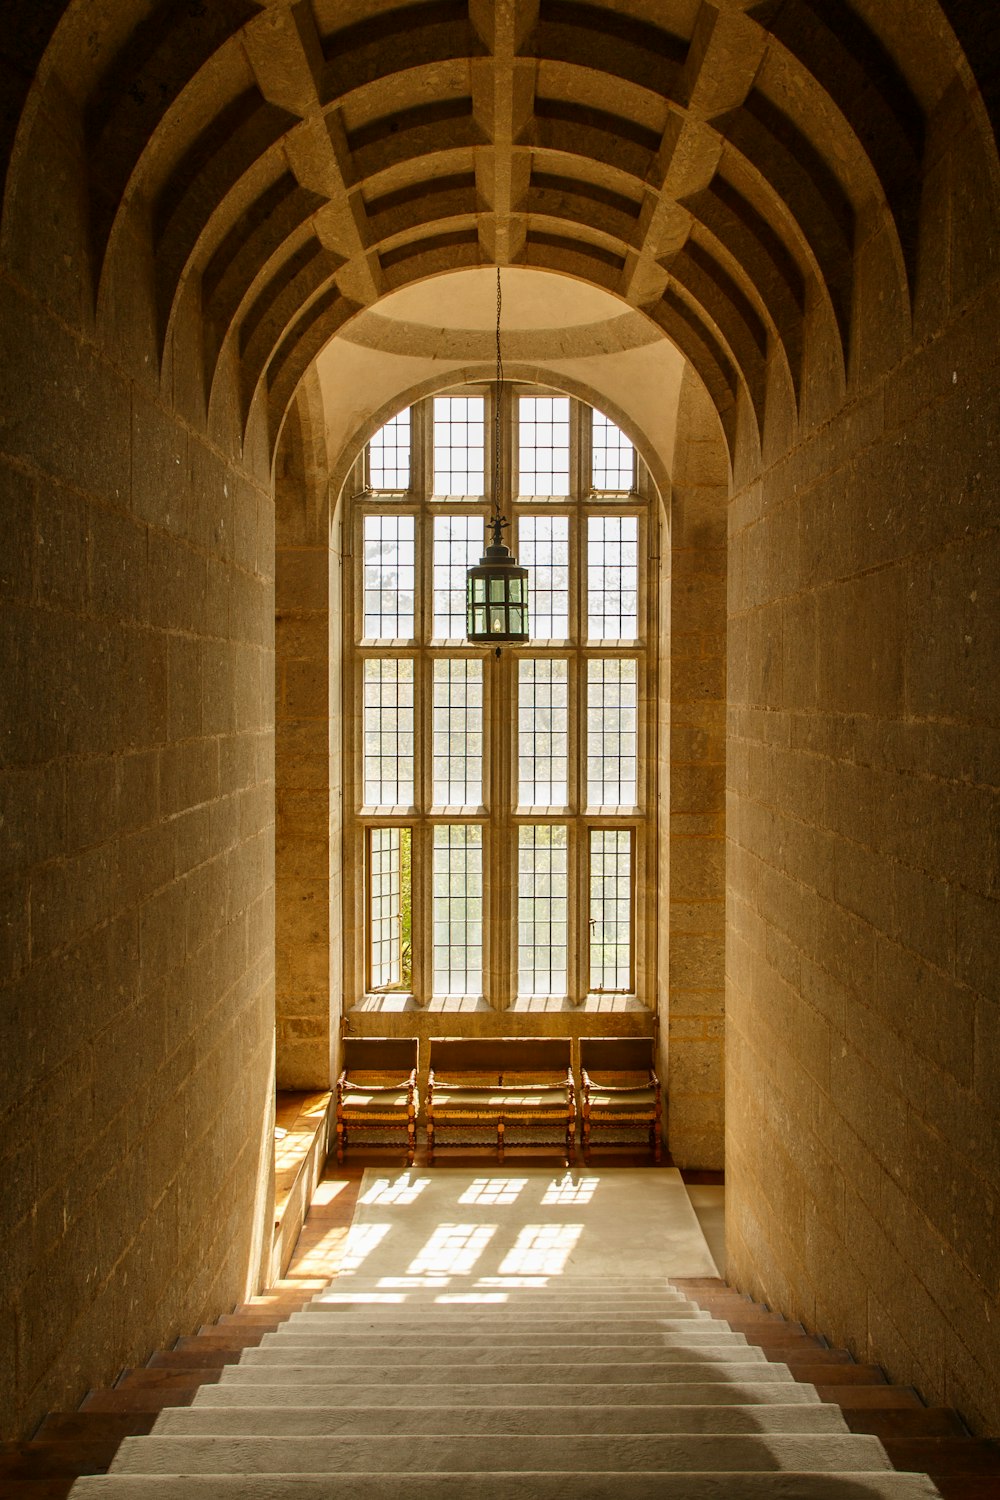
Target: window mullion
643 906
643 619
422 853
579 448
576 969
647 840
354 848
422 456
501 878
421 906
576 931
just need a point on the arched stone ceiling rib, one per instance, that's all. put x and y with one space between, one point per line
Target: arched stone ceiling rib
708 163
234 143
867 87
145 77
279 214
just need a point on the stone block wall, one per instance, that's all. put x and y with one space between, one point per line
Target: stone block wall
136 821
863 1164
302 750
695 914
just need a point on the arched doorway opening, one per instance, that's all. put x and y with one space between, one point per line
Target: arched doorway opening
608 358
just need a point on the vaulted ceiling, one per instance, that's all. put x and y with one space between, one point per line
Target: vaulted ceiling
712 164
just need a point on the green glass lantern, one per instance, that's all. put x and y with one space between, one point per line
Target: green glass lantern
496 594
496 589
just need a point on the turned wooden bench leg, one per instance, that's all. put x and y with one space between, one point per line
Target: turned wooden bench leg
500 1140
430 1139
570 1142
341 1142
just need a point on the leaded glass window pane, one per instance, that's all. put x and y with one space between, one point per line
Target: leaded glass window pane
543 445
561 741
389 908
390 570
389 455
459 445
610 909
457 915
613 457
542 910
458 733
612 578
543 733
388 733
612 733
543 547
458 545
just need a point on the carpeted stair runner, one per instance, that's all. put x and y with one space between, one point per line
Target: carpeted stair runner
606 1388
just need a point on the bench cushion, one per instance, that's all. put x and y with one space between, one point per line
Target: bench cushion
356 1096
496 1099
622 1100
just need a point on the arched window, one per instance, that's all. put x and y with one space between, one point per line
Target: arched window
501 808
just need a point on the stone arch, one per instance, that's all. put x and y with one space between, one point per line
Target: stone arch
267 176
803 196
528 374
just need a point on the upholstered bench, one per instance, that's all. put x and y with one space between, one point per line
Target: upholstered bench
377 1089
501 1082
620 1089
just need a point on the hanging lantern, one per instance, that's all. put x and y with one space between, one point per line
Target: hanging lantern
496 589
497 593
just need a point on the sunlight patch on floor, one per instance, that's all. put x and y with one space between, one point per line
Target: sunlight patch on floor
453 1249
541 1250
493 1190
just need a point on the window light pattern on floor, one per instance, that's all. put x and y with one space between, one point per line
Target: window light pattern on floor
541 1250
452 1249
489 1191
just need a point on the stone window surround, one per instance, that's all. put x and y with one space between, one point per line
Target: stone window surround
500 824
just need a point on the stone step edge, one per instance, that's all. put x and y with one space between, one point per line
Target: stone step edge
712 1484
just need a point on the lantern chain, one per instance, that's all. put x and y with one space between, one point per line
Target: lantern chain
498 520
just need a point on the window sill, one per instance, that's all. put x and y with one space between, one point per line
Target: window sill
389 1004
539 1005
532 1005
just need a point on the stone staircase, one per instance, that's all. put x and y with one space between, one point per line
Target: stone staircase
915 1437
586 1390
